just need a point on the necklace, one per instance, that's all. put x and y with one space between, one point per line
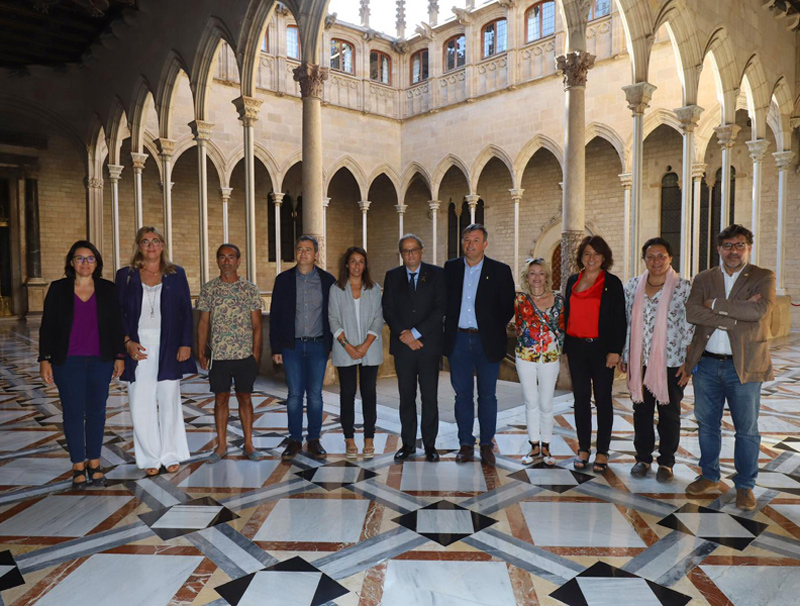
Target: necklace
535 296
649 283
151 298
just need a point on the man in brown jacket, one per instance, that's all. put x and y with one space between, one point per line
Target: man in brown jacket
730 305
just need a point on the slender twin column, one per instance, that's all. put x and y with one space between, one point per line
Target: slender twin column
434 214
625 179
364 206
726 135
225 194
516 197
138 161
166 147
326 202
95 190
783 159
689 117
758 149
202 133
472 203
698 171
248 114
277 201
114 174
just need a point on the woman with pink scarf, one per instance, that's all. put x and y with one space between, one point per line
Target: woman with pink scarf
654 356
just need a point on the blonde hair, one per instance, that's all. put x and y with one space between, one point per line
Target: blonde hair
137 258
523 276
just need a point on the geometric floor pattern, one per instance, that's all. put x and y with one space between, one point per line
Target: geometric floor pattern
380 533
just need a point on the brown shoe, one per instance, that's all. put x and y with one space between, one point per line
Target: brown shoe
487 456
292 448
701 486
465 454
315 449
745 499
664 475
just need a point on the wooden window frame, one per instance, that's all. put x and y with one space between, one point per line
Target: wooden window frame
494 27
411 67
389 68
298 49
528 39
342 42
593 11
444 53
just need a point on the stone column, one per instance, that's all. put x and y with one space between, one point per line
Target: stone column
277 200
225 193
434 214
311 77
202 134
248 114
689 117
401 211
726 135
575 67
94 187
166 147
625 179
326 202
516 197
472 204
138 161
758 148
34 283
114 174
783 159
364 206
698 170
638 97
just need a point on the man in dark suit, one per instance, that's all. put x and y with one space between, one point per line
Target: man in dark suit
414 300
479 306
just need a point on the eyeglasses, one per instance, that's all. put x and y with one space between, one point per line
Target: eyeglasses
84 259
659 257
411 251
737 245
154 242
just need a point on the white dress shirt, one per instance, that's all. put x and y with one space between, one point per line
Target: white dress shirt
719 342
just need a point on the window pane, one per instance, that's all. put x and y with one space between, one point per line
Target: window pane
292 46
534 16
548 18
374 67
461 51
335 58
601 8
416 72
347 57
501 36
424 55
488 41
384 69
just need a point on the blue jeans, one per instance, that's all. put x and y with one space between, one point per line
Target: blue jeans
305 370
466 361
82 383
716 381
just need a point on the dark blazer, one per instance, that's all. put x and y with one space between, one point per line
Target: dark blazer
424 311
283 308
59 310
494 305
613 327
176 321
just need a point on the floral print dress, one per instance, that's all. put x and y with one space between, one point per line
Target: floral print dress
540 332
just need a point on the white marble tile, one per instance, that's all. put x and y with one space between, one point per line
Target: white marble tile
334 442
620 424
62 516
122 419
33 471
267 442
318 520
198 440
619 591
713 525
18 440
579 525
792 512
683 477
271 420
188 516
447 584
284 588
133 580
337 475
692 445
126 472
456 521
517 444
7 416
551 477
444 476
767 585
243 474
776 481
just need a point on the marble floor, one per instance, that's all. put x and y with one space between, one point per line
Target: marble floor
375 532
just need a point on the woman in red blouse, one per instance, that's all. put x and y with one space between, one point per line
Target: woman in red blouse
594 314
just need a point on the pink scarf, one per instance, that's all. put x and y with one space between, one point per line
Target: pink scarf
656 378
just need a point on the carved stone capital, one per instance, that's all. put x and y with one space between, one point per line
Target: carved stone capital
326 202
726 134
698 170
472 200
138 160
94 183
364 206
516 194
758 149
282 10
794 122
575 67
310 76
783 159
225 193
689 116
638 96
166 147
115 172
401 208
277 198
626 179
434 205
201 130
248 109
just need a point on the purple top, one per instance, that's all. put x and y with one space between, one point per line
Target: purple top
84 340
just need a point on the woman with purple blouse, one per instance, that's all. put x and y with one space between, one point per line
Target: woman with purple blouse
81 349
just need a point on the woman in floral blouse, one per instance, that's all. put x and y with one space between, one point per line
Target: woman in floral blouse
540 338
654 356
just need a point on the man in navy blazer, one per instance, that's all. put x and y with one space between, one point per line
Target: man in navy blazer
480 304
414 300
300 337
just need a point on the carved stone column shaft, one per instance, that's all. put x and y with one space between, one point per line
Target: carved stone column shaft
726 135
783 159
202 134
277 200
434 212
138 161
698 170
114 174
758 149
225 194
166 147
625 179
248 114
689 117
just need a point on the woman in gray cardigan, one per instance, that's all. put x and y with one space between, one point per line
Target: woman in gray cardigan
356 319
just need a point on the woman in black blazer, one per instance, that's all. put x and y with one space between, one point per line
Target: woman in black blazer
80 349
594 316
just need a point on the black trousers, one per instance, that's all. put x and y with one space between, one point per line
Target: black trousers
669 423
412 368
587 365
347 397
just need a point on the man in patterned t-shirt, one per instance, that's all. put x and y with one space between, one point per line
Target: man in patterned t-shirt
232 307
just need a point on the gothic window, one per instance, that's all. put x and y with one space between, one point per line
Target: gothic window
540 21
292 42
494 38
419 66
291 226
716 210
380 67
456 225
600 8
265 42
455 52
671 215
342 56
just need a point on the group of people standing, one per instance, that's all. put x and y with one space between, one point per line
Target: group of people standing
659 329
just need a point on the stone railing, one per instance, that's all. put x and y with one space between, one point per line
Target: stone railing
491 75
452 87
538 59
418 99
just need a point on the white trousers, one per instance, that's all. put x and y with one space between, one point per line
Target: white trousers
538 380
159 435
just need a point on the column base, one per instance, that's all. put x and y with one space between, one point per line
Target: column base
37 289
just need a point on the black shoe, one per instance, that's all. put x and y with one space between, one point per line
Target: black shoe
404 453
640 469
76 473
465 454
315 449
664 474
487 456
431 454
101 481
292 448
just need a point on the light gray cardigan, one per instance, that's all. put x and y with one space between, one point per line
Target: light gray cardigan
342 317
